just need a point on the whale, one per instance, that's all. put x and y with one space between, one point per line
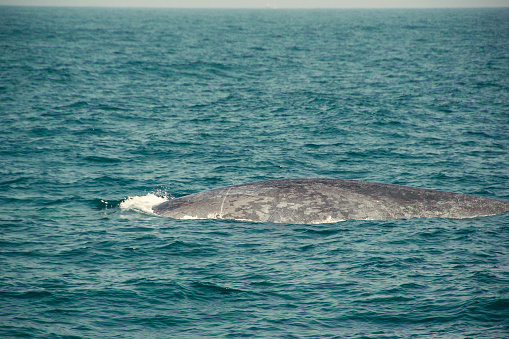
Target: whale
316 201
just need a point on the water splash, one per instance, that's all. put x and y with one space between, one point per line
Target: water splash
142 203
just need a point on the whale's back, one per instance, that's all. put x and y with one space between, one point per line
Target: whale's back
310 201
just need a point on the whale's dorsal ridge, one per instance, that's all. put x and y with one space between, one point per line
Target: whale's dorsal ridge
320 200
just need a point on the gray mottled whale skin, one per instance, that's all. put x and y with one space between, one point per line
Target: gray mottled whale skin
313 201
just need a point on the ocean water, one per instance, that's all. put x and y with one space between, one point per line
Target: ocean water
105 112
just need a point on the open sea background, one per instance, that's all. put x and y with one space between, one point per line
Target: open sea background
104 112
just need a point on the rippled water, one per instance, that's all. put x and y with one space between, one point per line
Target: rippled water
104 112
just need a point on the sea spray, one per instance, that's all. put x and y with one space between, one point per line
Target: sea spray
142 203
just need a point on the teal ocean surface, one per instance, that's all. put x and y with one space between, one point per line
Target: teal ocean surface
105 112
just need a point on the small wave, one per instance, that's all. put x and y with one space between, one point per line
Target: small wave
142 203
96 158
76 104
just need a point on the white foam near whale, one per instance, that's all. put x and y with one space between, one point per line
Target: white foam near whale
142 203
313 201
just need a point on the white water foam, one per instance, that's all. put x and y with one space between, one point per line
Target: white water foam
142 203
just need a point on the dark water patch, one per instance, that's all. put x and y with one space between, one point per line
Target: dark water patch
182 248
160 321
499 305
76 104
16 182
100 159
209 289
106 107
41 294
